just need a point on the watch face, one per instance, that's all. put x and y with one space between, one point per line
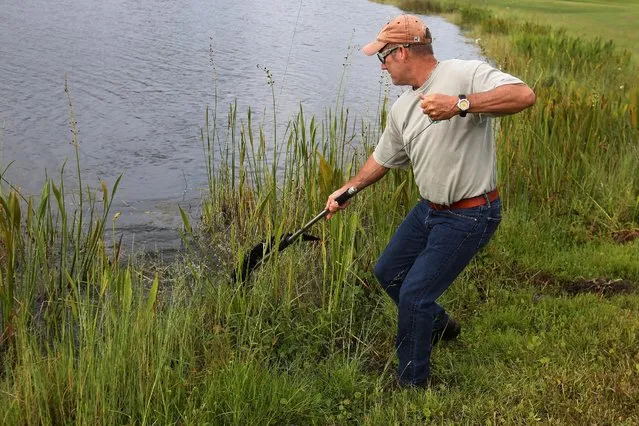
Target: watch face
463 104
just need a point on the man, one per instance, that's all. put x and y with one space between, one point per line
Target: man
441 127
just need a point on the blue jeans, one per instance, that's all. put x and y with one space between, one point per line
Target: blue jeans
427 252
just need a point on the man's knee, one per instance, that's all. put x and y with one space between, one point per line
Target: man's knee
417 302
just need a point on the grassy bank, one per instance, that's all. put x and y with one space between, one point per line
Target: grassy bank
549 310
608 20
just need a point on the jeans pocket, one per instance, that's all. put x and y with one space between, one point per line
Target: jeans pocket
466 214
495 219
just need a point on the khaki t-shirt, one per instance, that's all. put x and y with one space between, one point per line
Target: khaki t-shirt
452 159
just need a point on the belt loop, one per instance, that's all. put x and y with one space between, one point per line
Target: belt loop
487 199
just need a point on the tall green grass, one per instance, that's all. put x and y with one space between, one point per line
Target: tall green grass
90 338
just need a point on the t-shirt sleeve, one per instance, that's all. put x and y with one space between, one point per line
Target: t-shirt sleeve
390 151
488 78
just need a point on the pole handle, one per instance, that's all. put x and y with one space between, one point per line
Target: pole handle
346 195
341 199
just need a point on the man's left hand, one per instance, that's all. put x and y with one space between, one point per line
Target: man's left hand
439 107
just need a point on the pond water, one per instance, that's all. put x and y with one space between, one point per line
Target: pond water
140 74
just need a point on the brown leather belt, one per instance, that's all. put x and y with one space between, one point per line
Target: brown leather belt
468 203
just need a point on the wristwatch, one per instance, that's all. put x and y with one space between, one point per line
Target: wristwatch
463 104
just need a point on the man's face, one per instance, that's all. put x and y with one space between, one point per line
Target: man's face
392 64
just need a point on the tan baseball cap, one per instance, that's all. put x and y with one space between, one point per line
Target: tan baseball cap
403 29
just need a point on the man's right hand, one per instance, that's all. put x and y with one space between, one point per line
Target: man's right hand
370 173
331 204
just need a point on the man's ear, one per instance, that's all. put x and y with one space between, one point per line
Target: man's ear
404 53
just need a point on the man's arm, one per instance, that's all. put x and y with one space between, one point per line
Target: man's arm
503 100
370 173
507 99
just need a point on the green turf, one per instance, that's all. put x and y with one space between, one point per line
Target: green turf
616 20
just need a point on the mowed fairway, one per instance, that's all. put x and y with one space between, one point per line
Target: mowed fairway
616 20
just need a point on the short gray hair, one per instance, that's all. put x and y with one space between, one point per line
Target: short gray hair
422 49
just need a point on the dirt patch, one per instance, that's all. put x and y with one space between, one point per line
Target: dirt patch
625 235
601 286
604 287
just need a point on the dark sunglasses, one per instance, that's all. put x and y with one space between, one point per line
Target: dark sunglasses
382 55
